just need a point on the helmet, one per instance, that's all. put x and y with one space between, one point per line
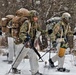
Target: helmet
66 16
33 13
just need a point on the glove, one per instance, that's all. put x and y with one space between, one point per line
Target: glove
74 33
50 31
0 32
27 41
54 43
66 40
27 38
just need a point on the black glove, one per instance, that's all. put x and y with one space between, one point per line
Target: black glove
50 31
27 38
0 32
74 33
54 43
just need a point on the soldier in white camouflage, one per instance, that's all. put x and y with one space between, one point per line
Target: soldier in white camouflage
29 27
59 37
10 39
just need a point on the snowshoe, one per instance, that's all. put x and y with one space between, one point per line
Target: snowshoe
63 70
16 71
51 63
5 60
10 62
48 66
37 73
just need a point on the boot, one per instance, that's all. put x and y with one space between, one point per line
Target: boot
51 63
63 70
16 71
10 62
37 73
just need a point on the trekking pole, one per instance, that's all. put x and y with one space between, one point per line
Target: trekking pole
50 49
40 57
45 53
35 50
15 60
72 60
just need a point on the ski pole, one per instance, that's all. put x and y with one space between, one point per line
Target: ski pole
45 53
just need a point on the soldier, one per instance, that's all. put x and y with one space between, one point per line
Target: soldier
59 36
29 27
10 39
4 22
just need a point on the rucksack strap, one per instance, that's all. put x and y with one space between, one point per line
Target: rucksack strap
28 26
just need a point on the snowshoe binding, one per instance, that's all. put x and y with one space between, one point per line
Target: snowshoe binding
37 73
51 63
63 70
16 71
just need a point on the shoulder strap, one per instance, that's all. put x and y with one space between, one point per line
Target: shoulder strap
28 26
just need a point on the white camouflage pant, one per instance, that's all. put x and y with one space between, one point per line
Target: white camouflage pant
10 48
75 60
32 58
0 39
59 59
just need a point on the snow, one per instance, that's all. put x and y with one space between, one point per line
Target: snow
25 66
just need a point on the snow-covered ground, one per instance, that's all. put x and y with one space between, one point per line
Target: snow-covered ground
25 67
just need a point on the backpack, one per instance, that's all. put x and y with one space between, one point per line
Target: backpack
50 23
4 22
22 12
16 25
